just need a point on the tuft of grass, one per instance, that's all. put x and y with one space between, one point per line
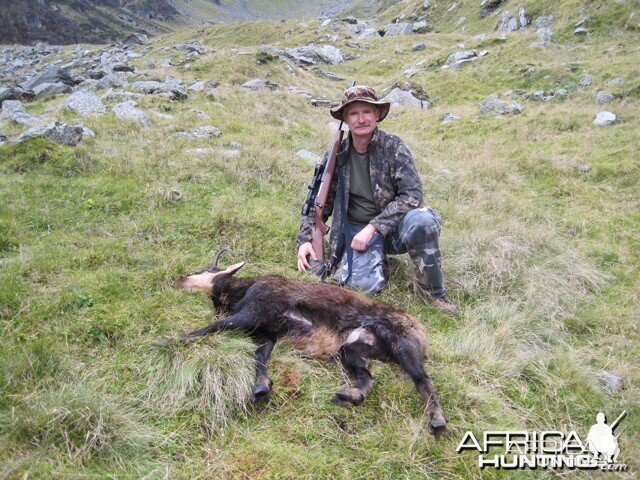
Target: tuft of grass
78 423
39 153
212 378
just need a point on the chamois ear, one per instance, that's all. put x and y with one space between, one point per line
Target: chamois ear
233 268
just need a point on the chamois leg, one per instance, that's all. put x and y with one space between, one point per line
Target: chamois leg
411 360
357 367
263 384
237 321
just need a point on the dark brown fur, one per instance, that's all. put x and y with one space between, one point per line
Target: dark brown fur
325 321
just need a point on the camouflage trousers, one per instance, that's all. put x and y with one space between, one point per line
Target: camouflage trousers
417 234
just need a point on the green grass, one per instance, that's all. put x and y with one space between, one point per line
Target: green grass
541 257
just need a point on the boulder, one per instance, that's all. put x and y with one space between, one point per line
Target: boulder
543 22
403 98
368 33
57 132
524 19
111 81
310 157
50 75
580 31
603 97
200 132
507 23
14 111
418 47
15 93
616 82
586 80
312 55
45 89
421 27
150 86
119 95
396 29
128 111
85 104
494 104
460 58
449 118
605 119
259 84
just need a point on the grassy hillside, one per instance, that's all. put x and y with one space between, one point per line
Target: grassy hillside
541 255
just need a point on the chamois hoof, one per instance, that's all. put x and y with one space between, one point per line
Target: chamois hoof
348 398
437 425
261 391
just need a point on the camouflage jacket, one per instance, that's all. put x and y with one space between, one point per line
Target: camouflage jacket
395 184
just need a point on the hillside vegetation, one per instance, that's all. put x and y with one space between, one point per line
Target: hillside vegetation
540 243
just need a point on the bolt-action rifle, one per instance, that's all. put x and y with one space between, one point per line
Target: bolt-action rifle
317 196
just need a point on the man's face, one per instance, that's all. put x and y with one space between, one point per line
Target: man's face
362 118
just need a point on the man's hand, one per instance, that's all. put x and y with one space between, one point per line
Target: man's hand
305 250
363 237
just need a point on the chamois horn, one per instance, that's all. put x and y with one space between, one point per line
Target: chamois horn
219 252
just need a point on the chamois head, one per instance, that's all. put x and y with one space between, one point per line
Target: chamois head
202 281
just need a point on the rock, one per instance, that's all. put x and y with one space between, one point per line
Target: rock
507 23
3 137
150 86
545 35
14 111
310 157
603 97
192 46
128 111
396 29
16 93
229 153
350 19
418 47
202 85
614 383
453 7
524 19
258 84
50 75
543 22
449 118
421 27
312 55
329 75
493 104
87 132
581 31
402 98
173 82
45 89
582 22
85 104
111 81
584 168
201 151
200 114
605 119
616 82
459 58
200 132
57 132
136 39
118 95
586 80
368 33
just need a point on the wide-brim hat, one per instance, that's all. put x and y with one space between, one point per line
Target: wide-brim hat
361 93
